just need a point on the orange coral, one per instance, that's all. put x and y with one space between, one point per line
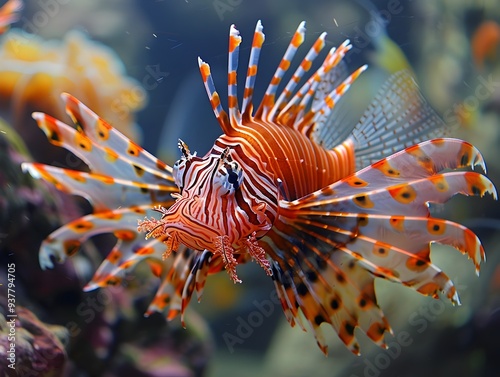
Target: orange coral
9 13
33 73
484 42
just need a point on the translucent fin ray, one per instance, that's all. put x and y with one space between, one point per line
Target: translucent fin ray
397 118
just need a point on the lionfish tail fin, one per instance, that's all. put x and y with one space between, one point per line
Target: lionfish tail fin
397 118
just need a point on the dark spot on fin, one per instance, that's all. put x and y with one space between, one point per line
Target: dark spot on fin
138 170
302 289
464 160
54 136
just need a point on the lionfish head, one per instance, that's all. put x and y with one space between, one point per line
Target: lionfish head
209 208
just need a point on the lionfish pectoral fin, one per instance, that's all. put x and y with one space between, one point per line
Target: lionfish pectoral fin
125 255
329 245
102 191
320 283
282 283
186 272
124 182
175 291
201 271
123 259
103 148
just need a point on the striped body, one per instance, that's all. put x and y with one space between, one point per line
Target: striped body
301 164
280 187
303 167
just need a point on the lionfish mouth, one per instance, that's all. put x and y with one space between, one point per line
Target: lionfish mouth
173 232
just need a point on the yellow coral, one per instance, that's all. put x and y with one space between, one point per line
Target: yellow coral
33 73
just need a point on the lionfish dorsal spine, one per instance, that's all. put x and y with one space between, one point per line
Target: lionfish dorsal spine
304 67
253 61
232 85
326 106
303 121
268 102
292 114
214 97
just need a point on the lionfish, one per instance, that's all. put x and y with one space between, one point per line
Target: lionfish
281 187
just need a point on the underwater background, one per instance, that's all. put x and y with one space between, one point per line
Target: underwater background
135 64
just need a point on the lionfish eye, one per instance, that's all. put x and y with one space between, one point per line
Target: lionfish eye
180 166
234 174
229 173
